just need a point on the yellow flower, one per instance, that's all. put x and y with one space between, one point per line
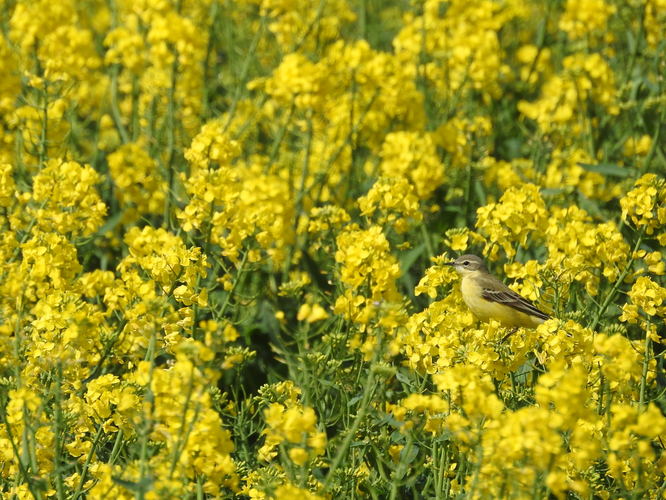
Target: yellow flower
645 205
7 186
565 169
212 146
655 16
126 46
436 275
298 455
557 111
576 245
368 271
564 390
141 190
631 456
471 390
166 260
294 426
311 313
394 452
412 157
646 295
64 199
519 214
290 492
620 361
461 43
324 219
637 146
290 22
395 203
656 263
584 18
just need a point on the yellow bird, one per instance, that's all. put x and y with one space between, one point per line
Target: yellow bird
488 298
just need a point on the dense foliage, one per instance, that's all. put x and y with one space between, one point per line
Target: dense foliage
223 229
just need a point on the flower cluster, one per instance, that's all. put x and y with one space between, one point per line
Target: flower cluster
519 214
296 428
226 230
645 204
140 188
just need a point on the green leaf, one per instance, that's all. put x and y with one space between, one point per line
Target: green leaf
111 223
610 169
138 487
408 258
408 455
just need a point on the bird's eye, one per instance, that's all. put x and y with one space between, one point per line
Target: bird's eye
466 263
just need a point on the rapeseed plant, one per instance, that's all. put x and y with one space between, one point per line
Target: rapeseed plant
223 235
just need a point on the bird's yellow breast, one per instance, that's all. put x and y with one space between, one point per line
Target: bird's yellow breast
486 310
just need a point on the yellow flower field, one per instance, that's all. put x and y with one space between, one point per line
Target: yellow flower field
224 229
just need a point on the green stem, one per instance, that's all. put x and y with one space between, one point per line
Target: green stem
23 469
58 431
245 69
171 141
239 273
43 149
401 469
602 384
646 364
636 48
368 390
148 420
117 446
182 439
86 465
115 109
611 295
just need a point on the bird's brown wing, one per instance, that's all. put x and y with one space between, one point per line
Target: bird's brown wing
510 298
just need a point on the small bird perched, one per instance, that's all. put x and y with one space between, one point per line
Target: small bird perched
489 298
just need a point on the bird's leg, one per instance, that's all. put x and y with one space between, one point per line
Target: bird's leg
511 332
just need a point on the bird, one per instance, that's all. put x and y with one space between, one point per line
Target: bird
488 298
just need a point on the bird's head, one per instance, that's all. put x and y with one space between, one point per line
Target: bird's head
467 264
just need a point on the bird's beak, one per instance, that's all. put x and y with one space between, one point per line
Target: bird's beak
452 263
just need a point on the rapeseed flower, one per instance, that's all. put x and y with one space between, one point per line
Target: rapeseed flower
645 204
222 228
